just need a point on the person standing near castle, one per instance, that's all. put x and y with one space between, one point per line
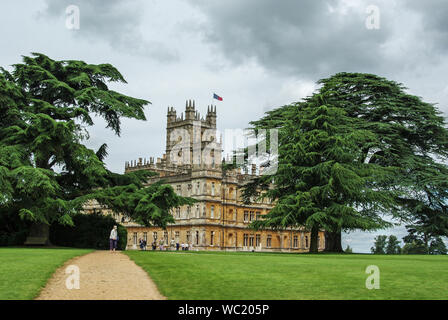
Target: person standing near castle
161 244
113 239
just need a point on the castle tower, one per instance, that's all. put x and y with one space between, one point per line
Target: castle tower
192 133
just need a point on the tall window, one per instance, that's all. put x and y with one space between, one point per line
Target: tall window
165 237
197 237
154 236
269 241
135 238
251 216
213 188
145 236
295 243
306 241
246 215
197 211
257 240
188 236
212 237
189 187
245 240
198 188
212 212
251 241
188 212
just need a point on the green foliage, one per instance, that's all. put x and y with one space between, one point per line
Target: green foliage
406 138
417 242
89 231
46 171
437 246
148 206
415 247
379 245
321 181
413 138
393 245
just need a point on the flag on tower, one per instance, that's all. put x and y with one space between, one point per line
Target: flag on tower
215 96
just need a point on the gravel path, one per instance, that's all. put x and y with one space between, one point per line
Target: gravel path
102 276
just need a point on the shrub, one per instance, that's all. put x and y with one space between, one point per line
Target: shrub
13 230
89 231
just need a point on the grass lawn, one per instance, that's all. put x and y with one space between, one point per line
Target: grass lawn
25 271
225 275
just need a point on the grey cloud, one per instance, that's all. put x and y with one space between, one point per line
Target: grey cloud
434 15
293 37
116 22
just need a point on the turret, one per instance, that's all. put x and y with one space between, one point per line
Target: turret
171 115
211 116
190 113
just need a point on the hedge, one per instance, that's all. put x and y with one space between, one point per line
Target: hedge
90 231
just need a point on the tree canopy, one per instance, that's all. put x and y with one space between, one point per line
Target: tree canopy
405 138
46 171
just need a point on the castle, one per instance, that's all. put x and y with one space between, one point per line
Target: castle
220 219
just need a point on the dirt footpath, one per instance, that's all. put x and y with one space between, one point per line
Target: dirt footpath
102 276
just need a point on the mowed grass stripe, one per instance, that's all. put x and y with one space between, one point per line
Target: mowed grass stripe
25 271
225 275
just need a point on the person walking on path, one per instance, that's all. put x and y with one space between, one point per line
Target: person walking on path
113 239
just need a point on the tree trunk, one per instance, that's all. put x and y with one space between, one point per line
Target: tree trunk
333 241
314 246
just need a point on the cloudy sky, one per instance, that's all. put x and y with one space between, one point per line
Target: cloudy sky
256 54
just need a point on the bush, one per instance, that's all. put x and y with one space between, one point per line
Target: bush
90 231
414 248
13 230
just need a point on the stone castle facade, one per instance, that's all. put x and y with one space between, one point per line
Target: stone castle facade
220 219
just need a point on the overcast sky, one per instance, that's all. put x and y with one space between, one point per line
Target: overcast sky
256 54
